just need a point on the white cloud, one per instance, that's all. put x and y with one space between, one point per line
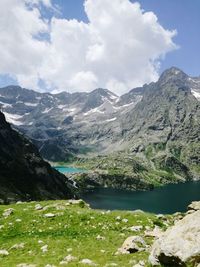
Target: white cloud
120 48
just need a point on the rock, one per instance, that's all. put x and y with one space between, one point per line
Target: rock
100 237
160 216
49 215
44 248
87 262
8 212
26 265
136 228
131 245
70 258
4 252
139 264
38 207
195 205
18 246
75 201
180 244
156 232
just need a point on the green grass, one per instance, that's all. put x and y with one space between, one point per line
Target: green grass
72 231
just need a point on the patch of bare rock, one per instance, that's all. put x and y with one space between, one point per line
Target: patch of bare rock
179 245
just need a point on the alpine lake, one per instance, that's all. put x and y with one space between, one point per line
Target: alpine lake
167 199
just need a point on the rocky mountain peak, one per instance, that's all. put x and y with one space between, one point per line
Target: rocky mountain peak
173 75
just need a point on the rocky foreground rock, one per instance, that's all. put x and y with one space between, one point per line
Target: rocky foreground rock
180 244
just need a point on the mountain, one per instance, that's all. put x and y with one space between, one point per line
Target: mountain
24 175
64 123
154 128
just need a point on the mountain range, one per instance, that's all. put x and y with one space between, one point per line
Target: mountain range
157 125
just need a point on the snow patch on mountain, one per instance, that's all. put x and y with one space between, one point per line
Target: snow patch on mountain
196 94
113 119
13 118
30 104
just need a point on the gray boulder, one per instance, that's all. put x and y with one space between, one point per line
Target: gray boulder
180 244
131 245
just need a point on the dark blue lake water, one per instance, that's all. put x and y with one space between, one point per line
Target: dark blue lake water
166 199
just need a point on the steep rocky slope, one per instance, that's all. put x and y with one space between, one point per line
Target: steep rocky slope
24 175
158 139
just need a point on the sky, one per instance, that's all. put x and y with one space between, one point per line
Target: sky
77 45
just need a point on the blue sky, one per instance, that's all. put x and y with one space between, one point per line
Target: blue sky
183 15
180 15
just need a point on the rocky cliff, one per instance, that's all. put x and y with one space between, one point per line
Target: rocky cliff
24 175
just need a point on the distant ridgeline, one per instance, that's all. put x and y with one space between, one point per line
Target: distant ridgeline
150 133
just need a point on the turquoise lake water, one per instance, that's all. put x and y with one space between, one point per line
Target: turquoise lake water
64 169
167 199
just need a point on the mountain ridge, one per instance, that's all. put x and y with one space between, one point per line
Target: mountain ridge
157 124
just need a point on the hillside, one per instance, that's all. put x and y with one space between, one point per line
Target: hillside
69 233
24 175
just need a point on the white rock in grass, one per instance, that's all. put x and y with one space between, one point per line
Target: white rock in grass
38 207
4 252
136 228
26 265
63 263
8 212
18 220
18 246
131 245
87 262
44 248
67 259
49 215
100 237
19 202
50 265
125 220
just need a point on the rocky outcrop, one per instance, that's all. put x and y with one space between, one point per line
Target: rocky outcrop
85 181
131 245
194 206
24 175
180 244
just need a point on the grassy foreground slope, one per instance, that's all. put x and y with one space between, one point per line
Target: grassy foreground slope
44 233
